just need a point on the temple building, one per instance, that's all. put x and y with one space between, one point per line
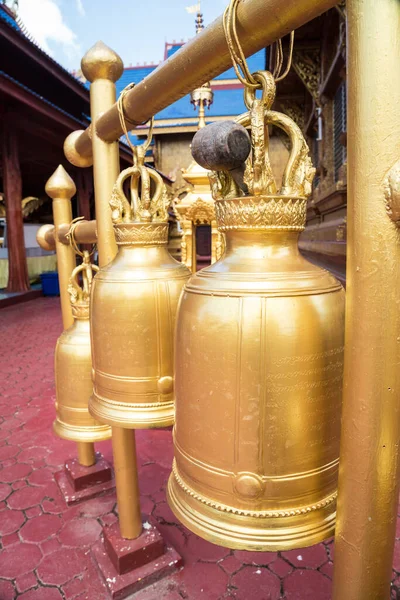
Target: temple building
41 103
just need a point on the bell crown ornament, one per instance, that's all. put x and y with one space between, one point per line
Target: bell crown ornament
246 195
144 219
134 302
79 287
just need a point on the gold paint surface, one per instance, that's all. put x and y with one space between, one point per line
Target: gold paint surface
133 307
73 371
61 188
258 385
260 23
259 363
369 454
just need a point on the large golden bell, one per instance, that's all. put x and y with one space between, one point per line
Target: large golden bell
259 355
73 372
134 305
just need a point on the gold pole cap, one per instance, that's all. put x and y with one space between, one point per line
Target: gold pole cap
60 184
71 152
45 237
100 62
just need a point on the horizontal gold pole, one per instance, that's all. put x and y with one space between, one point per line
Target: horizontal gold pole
260 22
85 233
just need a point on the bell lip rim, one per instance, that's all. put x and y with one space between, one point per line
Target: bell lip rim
81 433
132 415
274 538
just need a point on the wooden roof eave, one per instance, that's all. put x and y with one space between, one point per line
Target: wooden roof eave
34 52
11 88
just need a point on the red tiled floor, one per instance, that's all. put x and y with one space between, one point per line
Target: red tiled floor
256 582
46 545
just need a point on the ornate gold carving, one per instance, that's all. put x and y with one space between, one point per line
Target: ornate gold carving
223 186
141 234
201 212
265 208
341 230
299 172
294 110
276 212
143 207
307 65
391 186
261 514
80 293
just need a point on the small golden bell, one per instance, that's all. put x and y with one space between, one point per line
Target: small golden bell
134 304
73 367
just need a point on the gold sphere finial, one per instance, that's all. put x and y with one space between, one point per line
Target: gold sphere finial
71 152
100 62
60 184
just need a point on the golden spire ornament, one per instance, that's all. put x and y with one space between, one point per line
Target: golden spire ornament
259 353
134 304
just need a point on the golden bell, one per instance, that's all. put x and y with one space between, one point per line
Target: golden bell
259 355
73 367
134 305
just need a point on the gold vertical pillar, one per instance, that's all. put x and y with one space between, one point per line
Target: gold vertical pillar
214 241
369 458
61 189
103 67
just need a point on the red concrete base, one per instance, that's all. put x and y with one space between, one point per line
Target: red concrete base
128 566
78 483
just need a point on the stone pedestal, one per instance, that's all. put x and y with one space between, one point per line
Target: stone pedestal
78 483
128 566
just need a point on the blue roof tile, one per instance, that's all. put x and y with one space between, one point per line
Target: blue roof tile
226 101
4 16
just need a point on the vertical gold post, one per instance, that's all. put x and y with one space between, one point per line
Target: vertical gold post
126 480
86 454
61 188
369 458
102 67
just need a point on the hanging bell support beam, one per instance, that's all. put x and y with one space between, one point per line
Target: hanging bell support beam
85 233
102 67
61 189
369 457
259 23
